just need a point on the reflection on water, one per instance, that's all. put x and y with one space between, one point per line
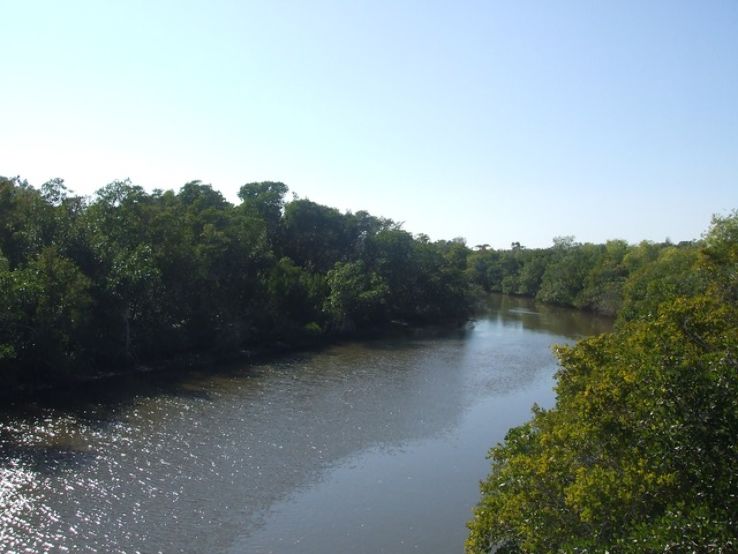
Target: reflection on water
362 447
572 324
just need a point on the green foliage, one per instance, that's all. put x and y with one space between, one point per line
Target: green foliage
356 296
7 312
603 284
639 453
265 200
130 277
295 297
45 312
26 221
672 273
611 278
566 276
425 281
720 255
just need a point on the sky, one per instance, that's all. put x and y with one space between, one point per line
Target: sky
492 121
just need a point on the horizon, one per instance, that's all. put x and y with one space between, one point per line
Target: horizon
497 123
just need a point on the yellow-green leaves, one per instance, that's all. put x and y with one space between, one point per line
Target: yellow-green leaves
640 453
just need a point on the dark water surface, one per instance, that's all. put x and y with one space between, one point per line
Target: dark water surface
362 447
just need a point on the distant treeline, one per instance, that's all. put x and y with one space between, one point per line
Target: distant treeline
130 277
614 278
640 453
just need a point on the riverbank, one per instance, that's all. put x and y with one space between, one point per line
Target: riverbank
224 358
311 342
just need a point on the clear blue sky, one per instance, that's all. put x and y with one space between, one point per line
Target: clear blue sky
495 121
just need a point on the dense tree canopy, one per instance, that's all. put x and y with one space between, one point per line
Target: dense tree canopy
640 453
611 278
128 276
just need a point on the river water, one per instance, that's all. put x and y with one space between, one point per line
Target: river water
368 447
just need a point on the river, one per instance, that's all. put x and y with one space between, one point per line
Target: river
368 447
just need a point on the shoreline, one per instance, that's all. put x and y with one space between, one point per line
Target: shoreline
221 360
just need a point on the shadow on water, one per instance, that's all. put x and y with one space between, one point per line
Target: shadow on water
113 393
45 459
